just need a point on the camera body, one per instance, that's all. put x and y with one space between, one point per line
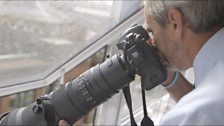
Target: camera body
142 58
97 84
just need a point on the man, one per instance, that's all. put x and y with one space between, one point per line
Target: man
190 33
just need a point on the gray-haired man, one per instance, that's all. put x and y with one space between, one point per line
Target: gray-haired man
190 33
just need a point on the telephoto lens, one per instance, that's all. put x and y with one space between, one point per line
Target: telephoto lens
90 89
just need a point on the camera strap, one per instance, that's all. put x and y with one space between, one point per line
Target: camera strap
146 121
127 95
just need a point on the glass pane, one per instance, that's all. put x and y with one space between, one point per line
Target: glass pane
37 37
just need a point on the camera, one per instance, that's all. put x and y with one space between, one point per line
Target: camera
97 84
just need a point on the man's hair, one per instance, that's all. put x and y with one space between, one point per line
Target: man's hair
201 15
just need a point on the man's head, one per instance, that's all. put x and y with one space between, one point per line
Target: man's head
180 28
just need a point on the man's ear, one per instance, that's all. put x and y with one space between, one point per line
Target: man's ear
176 22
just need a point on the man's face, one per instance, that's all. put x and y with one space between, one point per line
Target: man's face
163 40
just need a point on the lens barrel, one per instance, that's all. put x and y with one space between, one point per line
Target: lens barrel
90 89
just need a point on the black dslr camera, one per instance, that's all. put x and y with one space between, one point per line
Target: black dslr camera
95 85
141 58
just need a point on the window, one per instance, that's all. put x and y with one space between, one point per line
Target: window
38 38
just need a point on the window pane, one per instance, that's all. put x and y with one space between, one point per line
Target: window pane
37 37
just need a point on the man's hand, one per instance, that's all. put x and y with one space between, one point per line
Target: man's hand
181 88
170 76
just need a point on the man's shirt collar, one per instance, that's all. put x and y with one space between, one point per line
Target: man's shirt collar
208 55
